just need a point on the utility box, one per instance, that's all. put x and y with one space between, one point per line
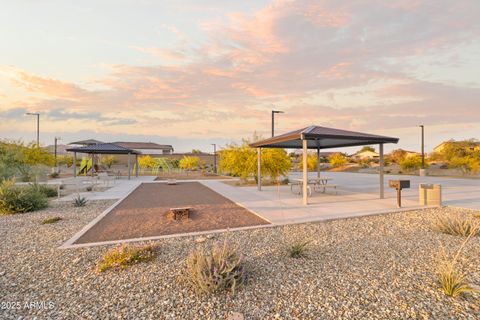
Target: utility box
399 185
430 195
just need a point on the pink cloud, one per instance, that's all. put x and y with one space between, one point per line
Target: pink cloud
300 55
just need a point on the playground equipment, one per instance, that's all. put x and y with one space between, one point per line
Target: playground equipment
85 165
158 165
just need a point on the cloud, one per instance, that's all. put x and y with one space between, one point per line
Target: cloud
351 64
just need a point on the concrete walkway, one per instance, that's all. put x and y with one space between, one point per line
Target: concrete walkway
120 188
357 196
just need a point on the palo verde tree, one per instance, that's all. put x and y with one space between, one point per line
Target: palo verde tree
311 162
191 163
19 159
241 161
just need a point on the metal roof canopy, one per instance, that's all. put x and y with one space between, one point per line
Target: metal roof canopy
104 148
87 142
316 137
322 138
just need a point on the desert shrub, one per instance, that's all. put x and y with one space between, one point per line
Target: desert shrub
451 277
191 163
49 192
108 160
125 255
66 160
15 199
51 220
455 224
337 160
79 201
467 164
220 268
411 163
298 248
54 175
145 162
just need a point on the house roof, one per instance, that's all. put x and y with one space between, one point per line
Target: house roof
104 148
323 138
87 142
143 145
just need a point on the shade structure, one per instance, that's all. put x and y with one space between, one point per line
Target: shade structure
317 137
87 142
104 148
323 138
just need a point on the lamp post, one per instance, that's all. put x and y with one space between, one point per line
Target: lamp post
214 158
422 170
38 125
56 163
273 120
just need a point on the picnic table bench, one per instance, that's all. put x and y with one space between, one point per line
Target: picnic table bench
319 185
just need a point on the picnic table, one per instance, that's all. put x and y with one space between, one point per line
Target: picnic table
319 185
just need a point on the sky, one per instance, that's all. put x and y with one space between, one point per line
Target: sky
192 73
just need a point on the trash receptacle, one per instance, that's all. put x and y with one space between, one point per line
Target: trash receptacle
430 195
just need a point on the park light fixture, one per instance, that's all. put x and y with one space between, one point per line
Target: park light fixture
273 120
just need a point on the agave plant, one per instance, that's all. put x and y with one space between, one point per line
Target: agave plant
79 201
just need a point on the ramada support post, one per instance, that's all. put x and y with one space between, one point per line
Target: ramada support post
381 169
305 172
93 164
259 168
136 165
74 164
129 167
318 161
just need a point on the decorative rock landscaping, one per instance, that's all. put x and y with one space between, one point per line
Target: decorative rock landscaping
377 267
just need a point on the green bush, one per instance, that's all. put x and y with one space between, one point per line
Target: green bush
14 199
124 256
411 163
49 192
298 249
337 160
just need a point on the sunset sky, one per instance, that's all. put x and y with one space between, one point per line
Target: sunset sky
191 73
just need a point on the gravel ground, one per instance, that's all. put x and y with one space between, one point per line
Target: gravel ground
378 267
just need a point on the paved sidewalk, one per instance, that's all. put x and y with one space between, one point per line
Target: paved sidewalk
119 189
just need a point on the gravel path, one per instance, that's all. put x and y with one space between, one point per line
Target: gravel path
377 267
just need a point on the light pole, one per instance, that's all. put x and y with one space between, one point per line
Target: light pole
38 125
214 158
423 146
56 139
273 120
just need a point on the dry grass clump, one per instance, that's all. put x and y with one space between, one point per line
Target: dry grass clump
219 268
51 220
456 224
125 255
298 248
450 274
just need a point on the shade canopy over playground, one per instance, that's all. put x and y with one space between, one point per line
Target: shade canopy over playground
104 148
317 137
